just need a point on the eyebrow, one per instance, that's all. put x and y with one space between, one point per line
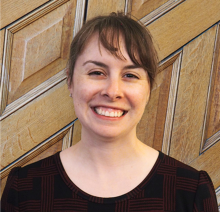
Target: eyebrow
103 65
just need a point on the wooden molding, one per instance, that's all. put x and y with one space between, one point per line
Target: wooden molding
160 11
207 142
67 139
210 141
36 150
217 191
42 88
8 106
171 103
128 6
5 71
80 10
23 22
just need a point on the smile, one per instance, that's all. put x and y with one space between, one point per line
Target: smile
109 112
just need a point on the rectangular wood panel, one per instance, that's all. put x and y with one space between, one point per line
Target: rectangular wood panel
11 10
139 9
192 96
35 122
104 7
182 24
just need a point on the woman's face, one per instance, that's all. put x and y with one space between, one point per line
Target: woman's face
109 94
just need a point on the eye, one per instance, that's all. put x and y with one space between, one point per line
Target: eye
129 75
96 73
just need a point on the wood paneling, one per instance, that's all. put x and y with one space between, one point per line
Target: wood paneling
214 109
2 36
47 40
12 10
76 132
103 7
150 128
192 95
35 122
182 24
209 161
142 8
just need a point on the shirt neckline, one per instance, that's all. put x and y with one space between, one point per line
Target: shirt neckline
109 200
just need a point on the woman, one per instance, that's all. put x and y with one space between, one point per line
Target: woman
111 70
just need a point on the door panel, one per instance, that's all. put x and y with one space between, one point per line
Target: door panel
12 10
182 118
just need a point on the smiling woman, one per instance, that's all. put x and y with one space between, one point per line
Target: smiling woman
110 73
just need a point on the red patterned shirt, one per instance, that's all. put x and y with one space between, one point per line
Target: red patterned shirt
170 186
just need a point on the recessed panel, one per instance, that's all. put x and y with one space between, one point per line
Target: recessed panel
39 49
42 49
143 8
151 127
192 97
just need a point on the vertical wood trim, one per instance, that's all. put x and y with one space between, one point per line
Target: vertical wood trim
128 6
205 144
79 17
217 191
67 140
160 11
171 104
5 70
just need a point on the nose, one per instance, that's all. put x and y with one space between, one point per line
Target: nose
112 89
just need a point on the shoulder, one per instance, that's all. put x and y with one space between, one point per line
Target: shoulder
22 176
173 166
192 187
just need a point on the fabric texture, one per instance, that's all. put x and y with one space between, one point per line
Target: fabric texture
170 186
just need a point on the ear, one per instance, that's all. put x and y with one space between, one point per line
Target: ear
68 79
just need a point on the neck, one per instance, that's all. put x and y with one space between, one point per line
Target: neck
109 152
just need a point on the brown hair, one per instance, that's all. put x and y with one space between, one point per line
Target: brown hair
137 39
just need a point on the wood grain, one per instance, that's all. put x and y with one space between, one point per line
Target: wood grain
12 10
142 8
2 36
76 132
47 40
107 7
214 108
209 161
182 24
192 96
151 127
35 122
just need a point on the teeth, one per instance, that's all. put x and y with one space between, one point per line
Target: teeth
109 114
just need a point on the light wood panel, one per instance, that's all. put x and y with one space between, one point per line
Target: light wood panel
150 128
47 40
214 108
142 8
35 122
2 36
103 7
182 24
209 161
12 10
192 94
76 132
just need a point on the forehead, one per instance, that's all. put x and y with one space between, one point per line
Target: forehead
113 45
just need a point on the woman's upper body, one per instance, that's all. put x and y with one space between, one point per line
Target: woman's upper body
169 186
110 75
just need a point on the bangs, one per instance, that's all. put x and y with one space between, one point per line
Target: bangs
112 36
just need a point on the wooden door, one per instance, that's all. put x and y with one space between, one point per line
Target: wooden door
182 118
